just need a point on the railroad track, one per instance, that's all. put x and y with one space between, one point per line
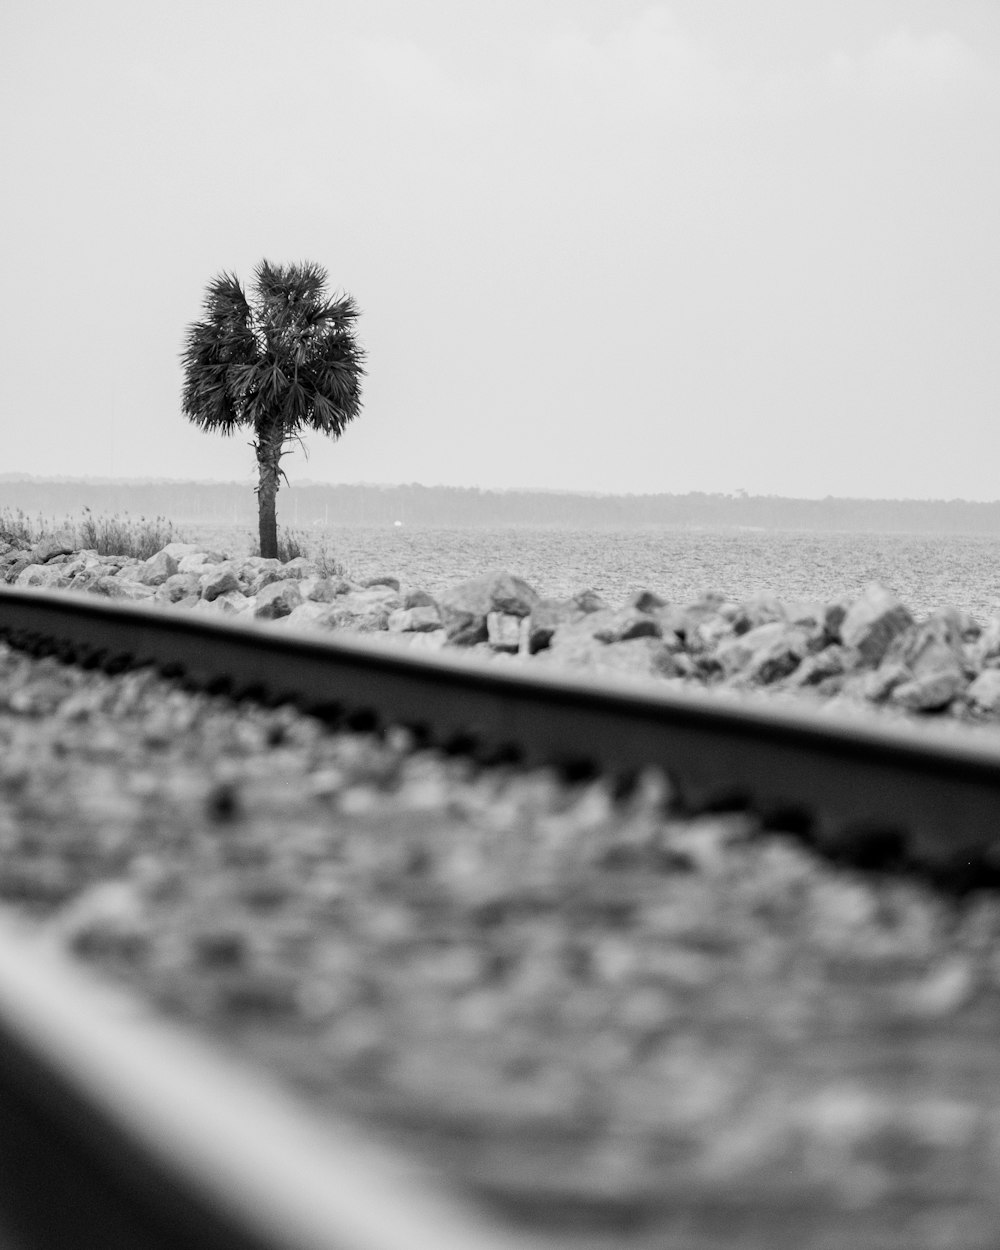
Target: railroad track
146 1131
880 791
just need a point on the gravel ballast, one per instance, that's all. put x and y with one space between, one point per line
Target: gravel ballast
598 1015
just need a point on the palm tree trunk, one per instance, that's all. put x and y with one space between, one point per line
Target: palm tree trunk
268 467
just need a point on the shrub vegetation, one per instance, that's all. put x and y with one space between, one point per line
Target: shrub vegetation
115 535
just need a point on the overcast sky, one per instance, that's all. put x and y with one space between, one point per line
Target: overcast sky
598 244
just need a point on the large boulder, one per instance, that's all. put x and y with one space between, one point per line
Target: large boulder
178 551
307 615
252 570
47 549
823 669
230 603
598 640
569 629
984 693
877 685
760 609
121 588
549 615
277 599
365 610
589 601
640 657
872 621
465 607
701 637
40 575
930 693
326 589
764 654
299 568
986 648
195 562
84 578
833 617
179 586
545 619
507 632
219 580
702 624
15 562
629 623
129 570
811 614
267 577
932 657
646 601
569 646
158 568
421 618
432 640
82 561
643 657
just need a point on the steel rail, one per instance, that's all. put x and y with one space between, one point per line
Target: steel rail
933 800
120 1130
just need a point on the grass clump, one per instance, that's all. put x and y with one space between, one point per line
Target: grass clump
328 564
116 535
17 529
293 543
123 536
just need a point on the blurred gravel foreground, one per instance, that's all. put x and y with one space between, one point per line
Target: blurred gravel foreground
609 1021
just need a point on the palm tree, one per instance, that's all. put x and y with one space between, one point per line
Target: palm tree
284 361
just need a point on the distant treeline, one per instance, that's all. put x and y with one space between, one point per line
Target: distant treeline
315 504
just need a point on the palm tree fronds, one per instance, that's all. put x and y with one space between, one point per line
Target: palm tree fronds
290 284
336 312
226 300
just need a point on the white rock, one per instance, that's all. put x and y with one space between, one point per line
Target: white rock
307 615
873 621
39 575
277 599
984 693
219 580
232 602
414 620
179 586
158 568
503 630
177 551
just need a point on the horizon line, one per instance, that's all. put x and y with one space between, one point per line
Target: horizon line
736 496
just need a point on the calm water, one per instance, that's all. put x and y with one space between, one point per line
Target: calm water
926 572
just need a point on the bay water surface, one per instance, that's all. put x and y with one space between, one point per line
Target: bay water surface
926 571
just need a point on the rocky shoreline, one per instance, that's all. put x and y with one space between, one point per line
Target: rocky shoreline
869 650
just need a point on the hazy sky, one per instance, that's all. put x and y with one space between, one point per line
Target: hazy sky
598 244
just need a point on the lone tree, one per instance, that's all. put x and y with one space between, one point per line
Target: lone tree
284 361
